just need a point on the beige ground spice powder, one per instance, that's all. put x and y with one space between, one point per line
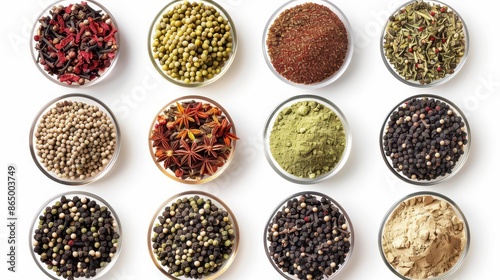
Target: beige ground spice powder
423 237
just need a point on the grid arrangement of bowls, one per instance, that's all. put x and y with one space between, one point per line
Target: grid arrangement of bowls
267 130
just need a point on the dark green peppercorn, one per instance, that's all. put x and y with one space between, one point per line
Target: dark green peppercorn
189 240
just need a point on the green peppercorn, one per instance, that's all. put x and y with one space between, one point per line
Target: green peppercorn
181 42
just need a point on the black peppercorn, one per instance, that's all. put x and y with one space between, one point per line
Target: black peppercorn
62 243
425 139
314 240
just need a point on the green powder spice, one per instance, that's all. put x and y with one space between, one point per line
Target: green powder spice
307 139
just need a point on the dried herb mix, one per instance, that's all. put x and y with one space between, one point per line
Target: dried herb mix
76 237
424 41
192 139
309 237
307 43
307 139
76 43
192 42
424 139
75 140
193 237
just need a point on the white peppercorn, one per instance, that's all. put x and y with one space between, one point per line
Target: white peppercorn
75 140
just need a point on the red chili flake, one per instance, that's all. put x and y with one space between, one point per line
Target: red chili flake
79 35
61 59
64 42
437 50
416 65
443 40
92 25
432 38
87 56
443 10
111 36
439 69
421 28
69 78
307 43
104 26
68 9
410 49
433 13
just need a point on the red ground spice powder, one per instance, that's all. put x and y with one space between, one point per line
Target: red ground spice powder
307 43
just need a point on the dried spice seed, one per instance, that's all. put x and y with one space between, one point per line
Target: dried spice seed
424 139
309 237
76 43
192 42
424 42
75 140
307 43
193 237
76 237
192 139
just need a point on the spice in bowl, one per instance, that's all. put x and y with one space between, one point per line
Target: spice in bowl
75 43
192 140
307 43
425 139
192 43
309 237
307 139
424 236
76 235
424 43
75 139
193 235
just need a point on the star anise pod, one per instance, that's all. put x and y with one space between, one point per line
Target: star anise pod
210 146
183 116
160 136
188 153
167 154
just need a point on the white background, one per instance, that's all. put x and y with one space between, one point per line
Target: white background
249 91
